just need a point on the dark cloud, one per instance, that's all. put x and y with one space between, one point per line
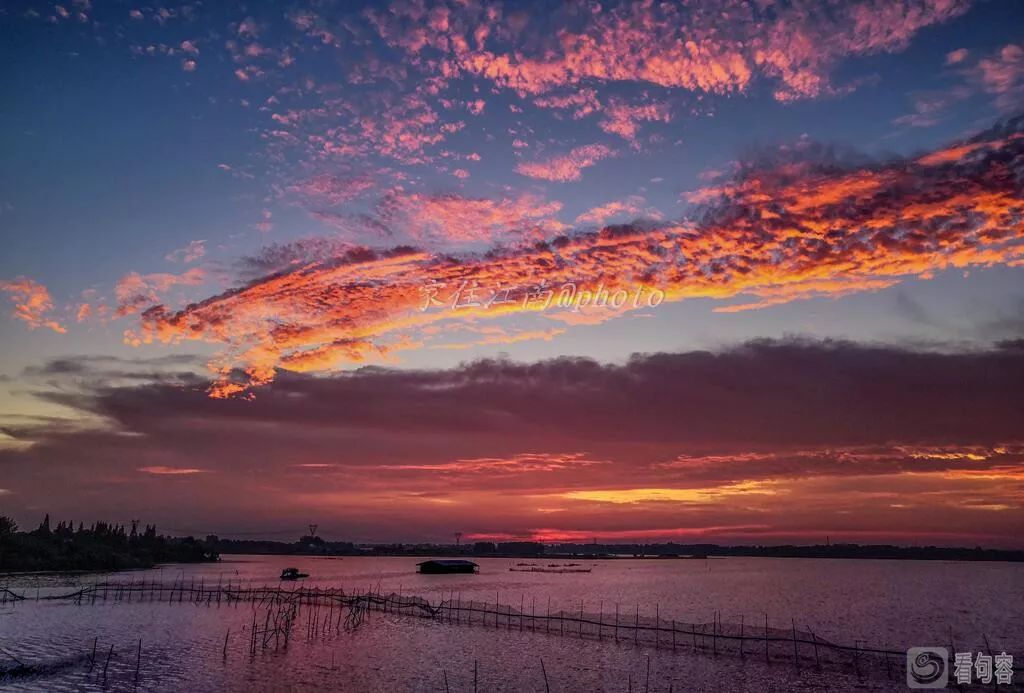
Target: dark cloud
751 419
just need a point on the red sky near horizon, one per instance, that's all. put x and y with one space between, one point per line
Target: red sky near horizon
738 272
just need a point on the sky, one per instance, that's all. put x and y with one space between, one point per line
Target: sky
741 271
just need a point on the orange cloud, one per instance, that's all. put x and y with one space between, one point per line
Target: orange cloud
779 231
135 291
32 302
171 471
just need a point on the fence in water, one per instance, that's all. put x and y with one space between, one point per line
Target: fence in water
277 611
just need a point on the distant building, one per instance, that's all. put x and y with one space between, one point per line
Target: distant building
441 566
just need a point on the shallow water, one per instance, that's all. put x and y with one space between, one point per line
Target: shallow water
885 604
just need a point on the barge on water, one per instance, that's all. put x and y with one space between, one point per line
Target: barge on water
444 566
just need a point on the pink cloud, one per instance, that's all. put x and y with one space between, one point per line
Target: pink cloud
464 219
566 167
1003 74
715 48
626 210
623 119
190 253
956 57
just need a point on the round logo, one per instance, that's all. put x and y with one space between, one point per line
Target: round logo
927 667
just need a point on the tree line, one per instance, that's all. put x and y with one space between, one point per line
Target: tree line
100 546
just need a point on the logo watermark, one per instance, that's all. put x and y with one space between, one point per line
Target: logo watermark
928 667
470 294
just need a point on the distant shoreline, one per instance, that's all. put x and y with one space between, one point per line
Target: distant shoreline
843 552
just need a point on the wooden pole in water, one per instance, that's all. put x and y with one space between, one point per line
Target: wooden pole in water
657 625
616 621
636 626
581 619
138 662
817 661
226 643
547 688
443 671
741 636
766 637
647 678
107 664
474 676
714 632
796 654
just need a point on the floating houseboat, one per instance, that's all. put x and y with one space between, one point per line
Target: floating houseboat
442 566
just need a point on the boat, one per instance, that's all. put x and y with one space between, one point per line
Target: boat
443 566
292 574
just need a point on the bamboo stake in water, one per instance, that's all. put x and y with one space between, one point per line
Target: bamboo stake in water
107 664
796 654
138 662
817 661
547 688
714 633
657 625
636 626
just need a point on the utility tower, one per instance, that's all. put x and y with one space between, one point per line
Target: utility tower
312 530
458 538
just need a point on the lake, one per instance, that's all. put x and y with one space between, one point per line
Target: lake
881 604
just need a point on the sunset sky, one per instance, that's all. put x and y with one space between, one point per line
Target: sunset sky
735 271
